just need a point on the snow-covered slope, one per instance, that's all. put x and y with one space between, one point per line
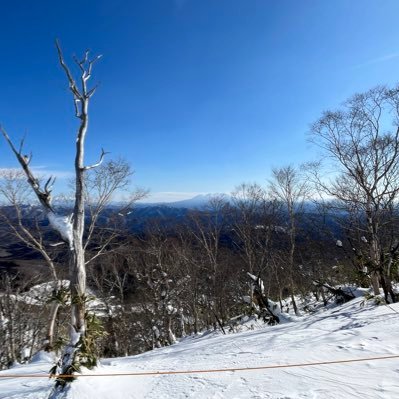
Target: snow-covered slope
351 331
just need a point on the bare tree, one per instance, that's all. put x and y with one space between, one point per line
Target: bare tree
20 333
254 221
206 232
362 142
291 189
101 184
70 228
102 224
16 192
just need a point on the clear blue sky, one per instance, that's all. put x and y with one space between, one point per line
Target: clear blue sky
199 95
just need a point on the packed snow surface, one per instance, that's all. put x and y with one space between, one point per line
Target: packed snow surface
355 330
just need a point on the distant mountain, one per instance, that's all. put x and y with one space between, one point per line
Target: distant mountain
198 202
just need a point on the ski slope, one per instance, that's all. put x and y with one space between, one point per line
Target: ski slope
355 330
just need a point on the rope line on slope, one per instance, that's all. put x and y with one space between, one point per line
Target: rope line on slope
151 373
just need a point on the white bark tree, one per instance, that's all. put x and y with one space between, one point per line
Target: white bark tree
255 218
291 189
14 190
362 141
70 228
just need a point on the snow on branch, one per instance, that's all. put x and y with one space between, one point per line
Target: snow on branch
62 224
82 93
71 80
103 153
43 194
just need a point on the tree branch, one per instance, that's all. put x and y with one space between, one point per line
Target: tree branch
103 153
71 80
44 195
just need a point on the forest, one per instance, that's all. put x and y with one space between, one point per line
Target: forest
77 279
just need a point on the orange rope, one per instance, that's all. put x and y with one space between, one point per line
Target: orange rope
145 373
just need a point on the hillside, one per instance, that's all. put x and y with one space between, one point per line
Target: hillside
355 330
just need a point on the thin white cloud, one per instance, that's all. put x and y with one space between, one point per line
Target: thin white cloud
38 171
169 196
59 174
377 60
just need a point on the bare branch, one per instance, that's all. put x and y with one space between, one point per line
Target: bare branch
21 145
57 244
83 61
92 62
49 184
71 80
92 91
103 153
44 196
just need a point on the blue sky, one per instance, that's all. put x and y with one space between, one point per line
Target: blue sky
198 95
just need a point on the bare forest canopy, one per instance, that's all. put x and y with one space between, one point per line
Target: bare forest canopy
138 277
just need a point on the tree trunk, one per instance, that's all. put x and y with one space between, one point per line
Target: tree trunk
375 283
294 303
78 291
49 342
372 228
386 283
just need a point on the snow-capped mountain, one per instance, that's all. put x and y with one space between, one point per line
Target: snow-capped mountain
197 202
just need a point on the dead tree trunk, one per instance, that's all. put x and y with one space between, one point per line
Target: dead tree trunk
339 293
71 227
77 265
269 314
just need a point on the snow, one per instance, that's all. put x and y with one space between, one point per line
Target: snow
63 225
170 309
43 356
40 293
357 329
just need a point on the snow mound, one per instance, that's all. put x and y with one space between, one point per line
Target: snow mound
43 357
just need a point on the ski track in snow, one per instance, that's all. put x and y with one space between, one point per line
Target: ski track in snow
347 332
